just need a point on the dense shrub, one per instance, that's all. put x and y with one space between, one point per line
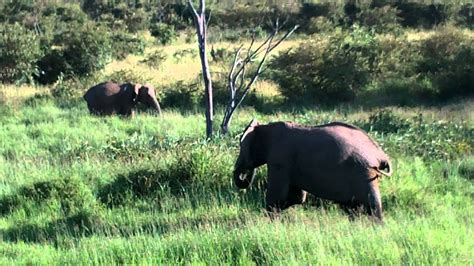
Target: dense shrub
182 95
386 121
136 19
19 51
382 19
350 63
68 13
312 10
126 75
319 24
465 16
124 44
178 15
447 58
155 59
67 89
17 12
330 71
420 14
51 66
81 52
165 34
396 57
86 49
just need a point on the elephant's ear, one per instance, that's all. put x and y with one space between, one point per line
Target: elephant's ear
251 126
150 89
246 142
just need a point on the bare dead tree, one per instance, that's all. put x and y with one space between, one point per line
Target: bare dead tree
201 31
238 81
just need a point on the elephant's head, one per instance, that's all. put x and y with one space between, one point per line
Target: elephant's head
146 95
244 170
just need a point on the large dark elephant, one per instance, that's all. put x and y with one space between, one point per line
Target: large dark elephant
335 161
108 98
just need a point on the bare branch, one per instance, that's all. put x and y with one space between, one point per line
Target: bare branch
284 37
195 14
238 87
209 19
230 78
202 6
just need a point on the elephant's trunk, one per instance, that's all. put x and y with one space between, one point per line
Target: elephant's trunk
243 179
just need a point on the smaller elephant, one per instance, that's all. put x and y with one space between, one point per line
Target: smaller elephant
111 98
335 161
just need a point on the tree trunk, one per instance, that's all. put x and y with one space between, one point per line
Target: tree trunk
201 31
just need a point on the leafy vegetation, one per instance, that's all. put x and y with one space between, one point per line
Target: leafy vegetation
347 64
18 55
147 185
80 189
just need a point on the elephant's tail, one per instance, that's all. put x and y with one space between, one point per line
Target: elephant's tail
385 168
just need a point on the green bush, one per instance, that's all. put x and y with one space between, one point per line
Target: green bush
124 44
319 24
136 19
68 13
164 33
126 75
382 19
182 95
155 59
67 89
447 58
397 57
385 121
19 51
86 49
415 14
327 71
465 15
222 55
51 66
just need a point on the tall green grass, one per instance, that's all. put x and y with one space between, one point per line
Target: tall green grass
77 189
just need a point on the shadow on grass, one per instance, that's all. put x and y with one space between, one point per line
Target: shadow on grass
78 225
143 183
71 193
85 224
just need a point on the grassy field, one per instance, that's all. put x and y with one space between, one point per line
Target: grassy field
77 189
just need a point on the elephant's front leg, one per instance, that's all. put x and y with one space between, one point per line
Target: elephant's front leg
277 188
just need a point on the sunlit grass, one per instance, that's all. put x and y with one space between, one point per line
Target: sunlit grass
78 189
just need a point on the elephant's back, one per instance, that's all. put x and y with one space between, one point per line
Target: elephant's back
357 143
103 89
102 93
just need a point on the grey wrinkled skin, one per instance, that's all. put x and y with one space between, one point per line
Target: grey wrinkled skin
335 161
111 98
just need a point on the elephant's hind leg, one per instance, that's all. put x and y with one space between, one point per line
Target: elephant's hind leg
368 194
375 201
